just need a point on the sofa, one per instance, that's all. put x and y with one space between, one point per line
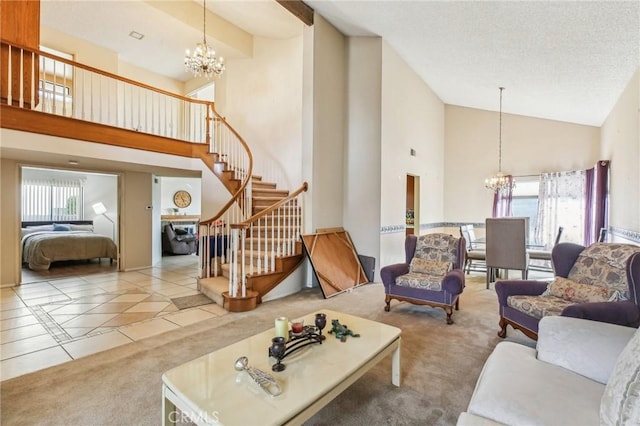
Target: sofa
581 372
178 241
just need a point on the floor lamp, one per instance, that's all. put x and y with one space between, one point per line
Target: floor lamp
99 208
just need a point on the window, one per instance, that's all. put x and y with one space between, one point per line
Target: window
51 198
525 201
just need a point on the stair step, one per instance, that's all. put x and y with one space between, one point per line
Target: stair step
213 288
269 192
258 209
256 184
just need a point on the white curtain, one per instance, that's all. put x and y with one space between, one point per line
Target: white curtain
52 199
561 202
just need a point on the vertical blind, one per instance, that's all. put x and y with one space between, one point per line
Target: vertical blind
52 199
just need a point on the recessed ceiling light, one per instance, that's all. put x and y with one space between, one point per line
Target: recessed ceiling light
136 35
73 162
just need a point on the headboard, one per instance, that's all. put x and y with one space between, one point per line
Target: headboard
51 222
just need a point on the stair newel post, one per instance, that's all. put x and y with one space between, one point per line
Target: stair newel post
243 238
273 240
258 255
251 233
208 128
266 244
278 234
233 263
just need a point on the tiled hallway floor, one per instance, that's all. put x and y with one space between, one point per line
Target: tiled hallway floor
50 322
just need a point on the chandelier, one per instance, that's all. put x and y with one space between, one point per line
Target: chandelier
203 61
500 182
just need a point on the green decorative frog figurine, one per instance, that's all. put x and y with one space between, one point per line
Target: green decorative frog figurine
341 331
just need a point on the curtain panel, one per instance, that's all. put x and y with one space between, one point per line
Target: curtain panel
562 202
502 200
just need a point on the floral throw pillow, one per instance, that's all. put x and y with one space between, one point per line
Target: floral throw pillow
425 266
579 293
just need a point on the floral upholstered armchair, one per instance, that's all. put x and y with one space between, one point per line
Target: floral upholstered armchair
432 274
600 282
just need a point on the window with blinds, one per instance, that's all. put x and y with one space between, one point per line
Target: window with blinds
52 199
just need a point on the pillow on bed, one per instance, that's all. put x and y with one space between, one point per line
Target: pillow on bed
61 227
40 228
88 228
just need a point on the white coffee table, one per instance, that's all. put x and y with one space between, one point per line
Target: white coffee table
210 391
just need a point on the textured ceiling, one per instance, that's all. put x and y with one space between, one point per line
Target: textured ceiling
562 60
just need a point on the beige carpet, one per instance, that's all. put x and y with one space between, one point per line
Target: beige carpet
440 365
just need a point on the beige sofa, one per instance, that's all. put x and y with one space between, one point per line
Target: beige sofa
581 373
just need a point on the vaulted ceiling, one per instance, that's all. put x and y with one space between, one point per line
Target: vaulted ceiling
561 60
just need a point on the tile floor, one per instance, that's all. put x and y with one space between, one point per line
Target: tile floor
49 322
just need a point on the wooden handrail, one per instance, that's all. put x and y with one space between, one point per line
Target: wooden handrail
303 188
240 191
107 74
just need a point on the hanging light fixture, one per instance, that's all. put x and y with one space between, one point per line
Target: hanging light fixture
203 61
500 182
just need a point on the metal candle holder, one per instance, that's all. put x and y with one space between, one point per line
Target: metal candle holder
311 334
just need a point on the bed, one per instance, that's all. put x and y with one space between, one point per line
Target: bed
47 242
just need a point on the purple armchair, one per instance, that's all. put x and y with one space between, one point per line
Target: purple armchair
432 274
600 283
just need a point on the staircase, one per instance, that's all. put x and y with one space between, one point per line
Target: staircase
253 241
263 261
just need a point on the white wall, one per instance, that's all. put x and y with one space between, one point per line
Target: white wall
529 146
621 145
412 117
262 99
169 186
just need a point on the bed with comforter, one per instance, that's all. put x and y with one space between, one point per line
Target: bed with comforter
43 244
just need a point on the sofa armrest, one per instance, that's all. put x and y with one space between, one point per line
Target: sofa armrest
453 282
391 272
589 348
622 313
505 289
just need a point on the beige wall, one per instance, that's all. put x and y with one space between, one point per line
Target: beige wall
9 223
137 219
621 145
529 146
412 117
362 156
325 167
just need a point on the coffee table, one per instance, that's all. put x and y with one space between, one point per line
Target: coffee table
210 391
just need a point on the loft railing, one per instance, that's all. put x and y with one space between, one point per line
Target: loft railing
51 84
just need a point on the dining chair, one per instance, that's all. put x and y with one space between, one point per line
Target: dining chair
475 250
506 246
536 254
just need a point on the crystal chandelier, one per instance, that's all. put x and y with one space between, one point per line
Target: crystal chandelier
203 61
500 182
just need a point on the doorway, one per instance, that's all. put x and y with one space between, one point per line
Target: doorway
73 205
412 209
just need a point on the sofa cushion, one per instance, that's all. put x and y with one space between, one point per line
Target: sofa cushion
604 264
515 388
578 292
426 266
621 399
538 306
421 281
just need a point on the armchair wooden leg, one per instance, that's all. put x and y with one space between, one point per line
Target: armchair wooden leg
449 312
387 300
503 328
457 304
